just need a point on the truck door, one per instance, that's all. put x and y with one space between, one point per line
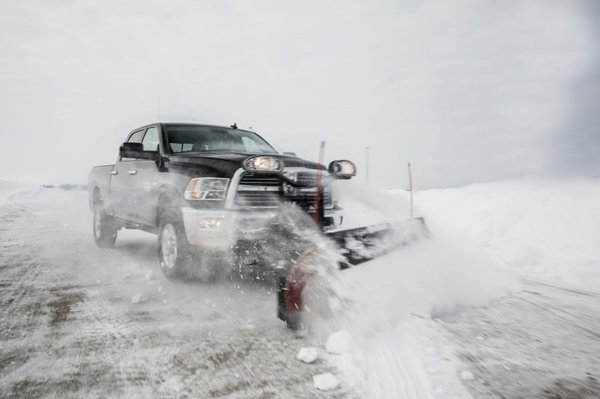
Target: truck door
144 178
120 180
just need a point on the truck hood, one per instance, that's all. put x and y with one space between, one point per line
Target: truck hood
226 164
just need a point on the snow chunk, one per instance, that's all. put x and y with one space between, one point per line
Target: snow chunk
136 298
339 342
467 376
308 355
325 382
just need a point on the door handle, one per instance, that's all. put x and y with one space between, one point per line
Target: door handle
133 172
114 172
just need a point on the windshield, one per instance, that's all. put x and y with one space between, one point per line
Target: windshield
188 138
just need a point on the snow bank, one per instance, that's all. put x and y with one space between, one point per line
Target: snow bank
544 228
427 278
394 298
10 191
391 293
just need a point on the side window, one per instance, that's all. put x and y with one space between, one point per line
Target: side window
136 137
150 141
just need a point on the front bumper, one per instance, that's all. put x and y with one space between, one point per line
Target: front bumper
220 229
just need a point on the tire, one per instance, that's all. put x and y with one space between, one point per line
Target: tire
174 252
104 227
293 322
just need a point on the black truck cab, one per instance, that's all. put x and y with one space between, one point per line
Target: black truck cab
203 186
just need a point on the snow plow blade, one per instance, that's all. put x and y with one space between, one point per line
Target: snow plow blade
312 265
365 243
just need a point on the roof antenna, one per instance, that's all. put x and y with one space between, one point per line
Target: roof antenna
158 107
234 126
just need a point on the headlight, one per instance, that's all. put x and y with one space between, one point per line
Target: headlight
263 164
206 188
342 169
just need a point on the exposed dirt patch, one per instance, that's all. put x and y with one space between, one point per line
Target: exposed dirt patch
231 354
188 364
588 388
62 307
89 377
94 344
13 360
239 386
140 317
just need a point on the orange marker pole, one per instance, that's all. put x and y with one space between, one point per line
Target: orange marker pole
410 188
318 182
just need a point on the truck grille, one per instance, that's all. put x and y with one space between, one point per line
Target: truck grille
306 179
257 199
266 191
263 191
260 180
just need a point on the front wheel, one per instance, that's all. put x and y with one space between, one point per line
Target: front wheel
174 252
105 228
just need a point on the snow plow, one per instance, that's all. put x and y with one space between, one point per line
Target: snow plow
310 261
365 243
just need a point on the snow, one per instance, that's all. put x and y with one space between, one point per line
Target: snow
387 336
339 342
542 228
486 238
392 301
308 355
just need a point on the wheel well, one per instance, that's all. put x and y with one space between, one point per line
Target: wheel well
167 200
96 197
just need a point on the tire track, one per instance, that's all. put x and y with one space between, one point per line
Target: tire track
393 373
572 305
520 337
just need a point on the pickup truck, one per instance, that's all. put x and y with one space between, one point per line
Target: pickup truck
202 188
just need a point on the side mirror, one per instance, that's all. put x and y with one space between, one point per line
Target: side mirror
342 169
136 150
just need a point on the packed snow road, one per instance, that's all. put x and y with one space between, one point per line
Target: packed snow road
543 342
443 318
78 321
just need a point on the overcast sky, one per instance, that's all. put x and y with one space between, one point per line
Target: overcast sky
466 90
